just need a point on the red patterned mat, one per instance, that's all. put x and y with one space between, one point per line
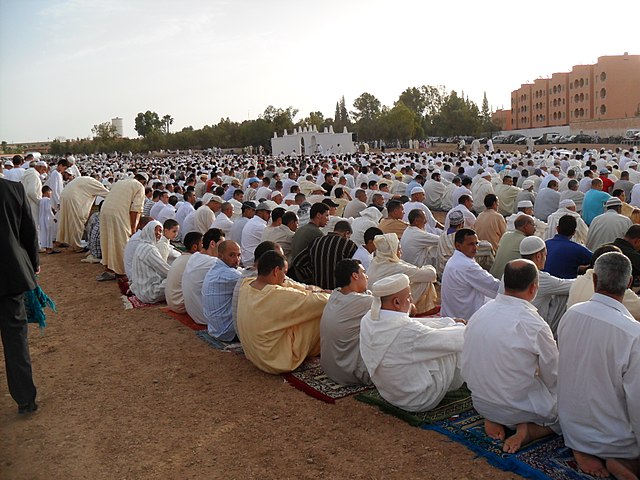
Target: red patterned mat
184 319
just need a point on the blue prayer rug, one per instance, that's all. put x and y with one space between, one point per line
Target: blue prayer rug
544 459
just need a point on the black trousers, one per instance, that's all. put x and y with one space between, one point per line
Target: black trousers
14 330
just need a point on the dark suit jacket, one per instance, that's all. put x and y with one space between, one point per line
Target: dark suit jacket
18 241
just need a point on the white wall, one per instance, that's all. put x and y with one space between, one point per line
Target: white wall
332 143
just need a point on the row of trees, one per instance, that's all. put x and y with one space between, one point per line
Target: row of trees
419 112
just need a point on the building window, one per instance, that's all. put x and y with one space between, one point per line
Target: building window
603 109
581 82
576 98
603 77
576 112
582 112
582 97
603 93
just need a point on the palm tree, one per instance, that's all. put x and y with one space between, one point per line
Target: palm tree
167 120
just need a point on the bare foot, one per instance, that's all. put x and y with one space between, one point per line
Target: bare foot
590 464
494 430
622 469
525 433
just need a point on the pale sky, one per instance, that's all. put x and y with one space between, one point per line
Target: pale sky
70 64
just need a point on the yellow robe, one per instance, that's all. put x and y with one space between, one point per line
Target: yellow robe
279 326
115 226
75 206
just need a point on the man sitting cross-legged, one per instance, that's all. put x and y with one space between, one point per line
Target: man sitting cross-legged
197 267
173 289
278 325
413 362
510 362
217 291
340 325
599 375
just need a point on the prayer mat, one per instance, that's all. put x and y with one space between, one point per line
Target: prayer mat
453 404
184 319
311 379
544 459
123 285
235 347
131 302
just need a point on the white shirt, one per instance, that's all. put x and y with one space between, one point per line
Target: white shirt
413 362
189 224
481 188
552 223
457 193
418 246
469 217
173 287
192 280
155 210
364 256
55 182
15 174
431 221
251 238
510 363
130 251
166 213
183 211
465 284
599 379
224 223
606 227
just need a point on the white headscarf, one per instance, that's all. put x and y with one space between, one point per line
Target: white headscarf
148 234
385 287
386 248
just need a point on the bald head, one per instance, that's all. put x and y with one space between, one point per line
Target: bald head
521 279
229 253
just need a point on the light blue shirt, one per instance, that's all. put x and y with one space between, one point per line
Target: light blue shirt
217 296
593 204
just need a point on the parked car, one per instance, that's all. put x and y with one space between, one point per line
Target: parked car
565 139
499 139
582 138
514 137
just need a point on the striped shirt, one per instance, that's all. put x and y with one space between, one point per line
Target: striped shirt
325 253
217 296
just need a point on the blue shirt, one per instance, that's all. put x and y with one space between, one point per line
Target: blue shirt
217 294
593 204
564 257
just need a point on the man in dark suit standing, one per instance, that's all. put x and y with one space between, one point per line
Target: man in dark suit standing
19 258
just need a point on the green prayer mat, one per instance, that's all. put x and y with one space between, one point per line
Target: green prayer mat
453 403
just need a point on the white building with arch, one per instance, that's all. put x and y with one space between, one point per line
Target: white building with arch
308 141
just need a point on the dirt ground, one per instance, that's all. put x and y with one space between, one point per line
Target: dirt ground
134 394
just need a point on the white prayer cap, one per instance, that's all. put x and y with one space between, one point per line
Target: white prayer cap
525 204
206 198
632 164
613 202
527 184
385 287
290 197
531 245
41 163
276 193
566 203
415 190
